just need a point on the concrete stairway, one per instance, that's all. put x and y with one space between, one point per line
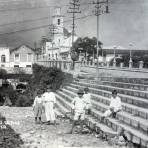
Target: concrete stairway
133 119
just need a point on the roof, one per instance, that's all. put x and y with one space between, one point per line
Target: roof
14 49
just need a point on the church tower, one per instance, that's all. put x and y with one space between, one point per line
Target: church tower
57 21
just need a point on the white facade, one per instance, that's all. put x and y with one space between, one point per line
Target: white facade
4 57
22 57
61 44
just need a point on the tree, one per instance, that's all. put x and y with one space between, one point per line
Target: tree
87 45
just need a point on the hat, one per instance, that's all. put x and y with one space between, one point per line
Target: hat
86 89
114 92
80 91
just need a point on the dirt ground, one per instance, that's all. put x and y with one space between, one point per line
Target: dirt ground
22 132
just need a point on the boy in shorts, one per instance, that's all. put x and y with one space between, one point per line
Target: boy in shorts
78 108
87 99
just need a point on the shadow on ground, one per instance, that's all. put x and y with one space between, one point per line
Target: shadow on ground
8 137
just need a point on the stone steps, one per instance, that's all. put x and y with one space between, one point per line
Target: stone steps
135 122
133 135
142 81
138 101
141 87
104 97
130 92
90 121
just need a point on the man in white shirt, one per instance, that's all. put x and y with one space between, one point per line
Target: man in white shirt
115 106
78 106
49 105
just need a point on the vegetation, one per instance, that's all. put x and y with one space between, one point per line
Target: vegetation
87 45
41 77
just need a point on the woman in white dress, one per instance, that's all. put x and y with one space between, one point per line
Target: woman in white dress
49 105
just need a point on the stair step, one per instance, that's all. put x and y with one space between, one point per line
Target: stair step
136 110
138 138
91 122
136 93
140 87
125 117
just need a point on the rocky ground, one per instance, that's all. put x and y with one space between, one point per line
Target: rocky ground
20 131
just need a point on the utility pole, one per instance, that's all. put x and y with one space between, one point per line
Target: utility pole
100 5
74 9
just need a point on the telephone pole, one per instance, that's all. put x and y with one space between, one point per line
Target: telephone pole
74 9
101 7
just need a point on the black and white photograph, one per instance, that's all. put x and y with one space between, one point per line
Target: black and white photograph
73 73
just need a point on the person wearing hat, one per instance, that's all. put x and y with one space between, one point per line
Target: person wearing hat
87 99
38 106
115 106
78 106
49 105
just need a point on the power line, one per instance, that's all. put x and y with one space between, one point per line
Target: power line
40 7
38 27
98 11
25 21
74 9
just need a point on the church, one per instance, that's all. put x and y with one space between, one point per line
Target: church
59 47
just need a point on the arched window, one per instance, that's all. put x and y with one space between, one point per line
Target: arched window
3 58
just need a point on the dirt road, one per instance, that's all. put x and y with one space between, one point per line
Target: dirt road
21 131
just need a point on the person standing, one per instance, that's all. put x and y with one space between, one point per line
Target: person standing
87 100
78 108
115 106
49 105
38 106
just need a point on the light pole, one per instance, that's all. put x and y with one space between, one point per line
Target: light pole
115 47
130 61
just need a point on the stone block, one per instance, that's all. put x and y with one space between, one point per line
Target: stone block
141 94
144 127
135 123
135 112
114 127
130 101
136 139
144 143
127 121
128 135
143 114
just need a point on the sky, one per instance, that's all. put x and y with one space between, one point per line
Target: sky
26 22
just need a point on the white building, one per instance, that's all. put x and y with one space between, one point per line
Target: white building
59 48
22 56
4 57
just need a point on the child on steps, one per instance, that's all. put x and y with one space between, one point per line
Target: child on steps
78 107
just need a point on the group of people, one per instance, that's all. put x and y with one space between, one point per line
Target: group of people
45 102
80 106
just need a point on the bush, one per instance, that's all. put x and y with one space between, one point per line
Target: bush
43 76
23 101
3 73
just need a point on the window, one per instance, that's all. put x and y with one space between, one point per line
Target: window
2 65
58 21
28 65
3 58
16 66
17 57
30 59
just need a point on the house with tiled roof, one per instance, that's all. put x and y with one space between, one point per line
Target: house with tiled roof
22 56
